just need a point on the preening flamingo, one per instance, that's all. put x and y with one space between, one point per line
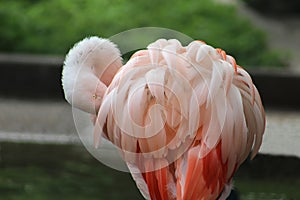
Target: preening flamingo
184 117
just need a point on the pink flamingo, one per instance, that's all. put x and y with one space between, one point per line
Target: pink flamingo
184 117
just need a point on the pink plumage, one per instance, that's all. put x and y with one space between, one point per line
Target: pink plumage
183 117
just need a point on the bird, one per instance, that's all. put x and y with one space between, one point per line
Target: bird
184 118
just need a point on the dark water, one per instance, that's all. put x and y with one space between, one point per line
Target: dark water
35 171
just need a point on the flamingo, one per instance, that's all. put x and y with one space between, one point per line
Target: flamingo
183 117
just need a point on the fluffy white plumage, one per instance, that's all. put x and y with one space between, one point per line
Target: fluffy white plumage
88 69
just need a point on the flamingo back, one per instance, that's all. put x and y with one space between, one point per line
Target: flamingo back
184 118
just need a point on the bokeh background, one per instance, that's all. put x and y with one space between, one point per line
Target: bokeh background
41 156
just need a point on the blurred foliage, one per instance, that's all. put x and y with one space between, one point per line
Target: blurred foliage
52 27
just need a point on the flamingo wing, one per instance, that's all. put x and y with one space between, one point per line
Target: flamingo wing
184 118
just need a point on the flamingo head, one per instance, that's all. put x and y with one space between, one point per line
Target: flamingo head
88 69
